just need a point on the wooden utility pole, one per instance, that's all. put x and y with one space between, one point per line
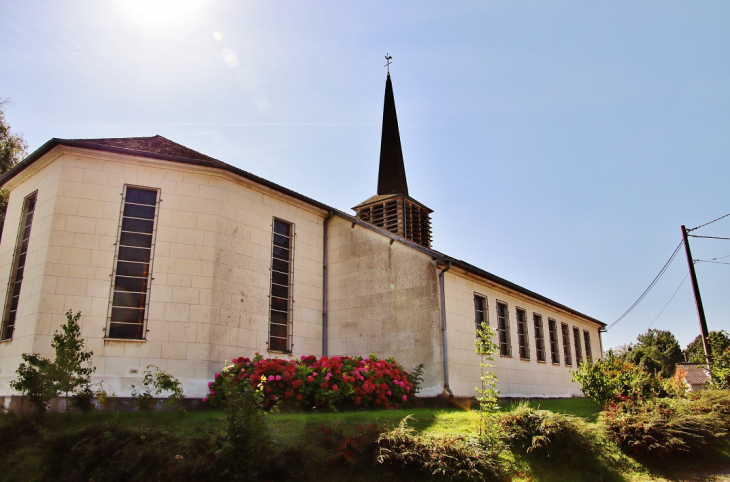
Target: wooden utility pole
698 298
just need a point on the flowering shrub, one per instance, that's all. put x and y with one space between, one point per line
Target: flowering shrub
614 380
327 382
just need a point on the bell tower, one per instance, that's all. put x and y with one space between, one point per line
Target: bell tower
392 208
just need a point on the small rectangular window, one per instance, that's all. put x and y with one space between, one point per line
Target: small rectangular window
589 353
578 349
505 348
523 338
566 344
18 266
135 246
539 338
281 287
554 352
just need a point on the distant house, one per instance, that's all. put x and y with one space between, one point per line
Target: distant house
694 375
182 261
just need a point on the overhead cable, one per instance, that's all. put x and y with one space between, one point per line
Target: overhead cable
670 299
707 237
703 225
666 265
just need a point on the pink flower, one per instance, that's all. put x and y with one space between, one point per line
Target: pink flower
334 387
217 375
210 384
388 392
271 378
404 398
205 399
310 379
278 377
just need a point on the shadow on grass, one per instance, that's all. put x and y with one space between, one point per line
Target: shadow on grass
704 465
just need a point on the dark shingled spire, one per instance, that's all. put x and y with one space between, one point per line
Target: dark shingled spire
392 171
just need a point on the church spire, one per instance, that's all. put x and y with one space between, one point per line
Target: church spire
392 171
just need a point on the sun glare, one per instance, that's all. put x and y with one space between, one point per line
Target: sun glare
157 11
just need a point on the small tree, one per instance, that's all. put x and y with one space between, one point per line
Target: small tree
488 393
42 380
612 380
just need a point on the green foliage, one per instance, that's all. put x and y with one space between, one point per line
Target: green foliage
719 341
155 384
72 366
35 380
41 380
12 150
665 426
613 379
487 393
656 351
415 378
721 371
456 457
248 442
545 433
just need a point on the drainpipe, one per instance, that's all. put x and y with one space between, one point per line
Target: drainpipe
443 327
324 283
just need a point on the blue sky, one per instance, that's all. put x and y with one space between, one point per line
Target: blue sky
560 144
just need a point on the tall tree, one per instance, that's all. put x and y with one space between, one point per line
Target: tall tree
13 149
656 351
719 341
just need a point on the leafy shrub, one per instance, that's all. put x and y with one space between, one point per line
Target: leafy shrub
544 432
327 382
351 446
248 443
450 457
41 379
721 371
612 380
665 426
155 384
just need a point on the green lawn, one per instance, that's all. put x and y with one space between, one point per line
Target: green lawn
314 437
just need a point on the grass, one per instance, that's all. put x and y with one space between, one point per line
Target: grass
314 437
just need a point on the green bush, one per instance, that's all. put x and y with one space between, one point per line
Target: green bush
458 457
155 384
248 445
612 380
544 432
41 379
666 426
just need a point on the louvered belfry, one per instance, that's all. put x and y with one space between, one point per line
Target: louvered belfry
392 208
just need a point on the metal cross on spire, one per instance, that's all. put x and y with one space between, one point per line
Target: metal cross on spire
388 59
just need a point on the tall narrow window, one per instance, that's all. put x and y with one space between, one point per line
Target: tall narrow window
539 338
578 349
589 353
505 348
522 334
480 311
130 294
566 344
18 266
554 353
281 261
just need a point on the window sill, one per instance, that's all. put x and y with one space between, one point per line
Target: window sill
7 340
542 361
556 364
505 356
524 359
134 340
280 352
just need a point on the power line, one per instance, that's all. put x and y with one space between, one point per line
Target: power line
703 225
707 237
670 299
709 261
666 265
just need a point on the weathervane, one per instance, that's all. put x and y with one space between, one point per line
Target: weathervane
388 59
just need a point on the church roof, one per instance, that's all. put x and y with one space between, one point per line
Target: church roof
392 171
158 147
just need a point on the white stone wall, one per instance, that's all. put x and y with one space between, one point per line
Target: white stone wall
210 272
383 299
517 377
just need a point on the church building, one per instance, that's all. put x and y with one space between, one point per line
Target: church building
179 260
